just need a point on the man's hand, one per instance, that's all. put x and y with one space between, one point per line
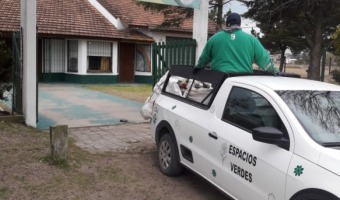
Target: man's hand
280 74
196 69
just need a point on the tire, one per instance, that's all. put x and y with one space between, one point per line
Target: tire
168 157
316 196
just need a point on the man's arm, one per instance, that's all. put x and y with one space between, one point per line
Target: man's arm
262 58
205 57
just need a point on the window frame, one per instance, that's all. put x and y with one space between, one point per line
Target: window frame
216 78
72 69
109 70
281 125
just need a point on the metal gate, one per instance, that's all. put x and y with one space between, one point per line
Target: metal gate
17 73
180 52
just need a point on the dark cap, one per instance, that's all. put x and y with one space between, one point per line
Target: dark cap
233 19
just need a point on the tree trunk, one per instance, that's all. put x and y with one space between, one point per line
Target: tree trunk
283 57
314 69
219 14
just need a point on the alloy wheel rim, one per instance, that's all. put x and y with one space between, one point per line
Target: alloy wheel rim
165 154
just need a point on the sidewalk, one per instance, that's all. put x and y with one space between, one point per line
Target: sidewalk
75 106
98 122
127 138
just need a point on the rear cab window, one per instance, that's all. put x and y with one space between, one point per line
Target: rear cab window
197 89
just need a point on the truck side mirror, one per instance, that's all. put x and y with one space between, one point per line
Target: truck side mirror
270 135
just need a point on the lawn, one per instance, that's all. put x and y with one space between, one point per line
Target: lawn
135 92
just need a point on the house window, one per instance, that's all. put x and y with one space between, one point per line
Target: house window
54 56
99 56
72 56
143 63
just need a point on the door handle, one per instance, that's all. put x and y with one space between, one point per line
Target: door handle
213 135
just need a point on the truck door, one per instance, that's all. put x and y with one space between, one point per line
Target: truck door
249 169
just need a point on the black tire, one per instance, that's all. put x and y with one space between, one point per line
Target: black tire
316 196
168 157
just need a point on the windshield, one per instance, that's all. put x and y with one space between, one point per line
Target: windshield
318 113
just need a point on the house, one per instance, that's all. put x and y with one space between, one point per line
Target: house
93 41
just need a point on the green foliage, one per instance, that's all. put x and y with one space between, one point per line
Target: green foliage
59 162
5 68
5 62
175 15
336 75
297 25
4 192
336 41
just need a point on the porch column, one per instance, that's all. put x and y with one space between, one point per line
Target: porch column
82 57
28 24
200 29
115 55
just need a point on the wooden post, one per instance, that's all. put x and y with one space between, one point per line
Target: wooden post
59 140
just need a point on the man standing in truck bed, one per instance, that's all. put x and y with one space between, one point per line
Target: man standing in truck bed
233 50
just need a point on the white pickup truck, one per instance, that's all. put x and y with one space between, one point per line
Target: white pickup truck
252 136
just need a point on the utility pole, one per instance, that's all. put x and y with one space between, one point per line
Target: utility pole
200 27
29 51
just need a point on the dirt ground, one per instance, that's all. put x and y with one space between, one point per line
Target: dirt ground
27 172
301 70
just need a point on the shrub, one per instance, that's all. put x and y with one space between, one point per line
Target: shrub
336 75
5 68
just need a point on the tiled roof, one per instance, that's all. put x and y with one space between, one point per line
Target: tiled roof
9 15
66 17
133 15
79 18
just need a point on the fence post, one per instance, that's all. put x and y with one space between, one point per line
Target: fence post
59 140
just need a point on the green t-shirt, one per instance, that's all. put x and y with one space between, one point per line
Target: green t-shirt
235 52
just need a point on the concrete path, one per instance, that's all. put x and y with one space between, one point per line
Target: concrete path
127 138
75 106
97 122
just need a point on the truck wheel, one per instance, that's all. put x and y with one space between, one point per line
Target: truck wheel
168 157
316 196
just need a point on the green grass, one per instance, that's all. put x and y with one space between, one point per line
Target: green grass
4 192
61 163
135 92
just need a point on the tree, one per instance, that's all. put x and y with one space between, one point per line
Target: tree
298 24
216 12
175 15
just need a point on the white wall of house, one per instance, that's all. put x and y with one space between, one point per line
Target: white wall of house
161 37
115 55
82 57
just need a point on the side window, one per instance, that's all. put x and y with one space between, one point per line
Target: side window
248 110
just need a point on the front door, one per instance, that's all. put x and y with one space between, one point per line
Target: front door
127 62
250 169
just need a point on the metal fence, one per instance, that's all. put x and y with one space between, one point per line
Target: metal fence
180 52
17 73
